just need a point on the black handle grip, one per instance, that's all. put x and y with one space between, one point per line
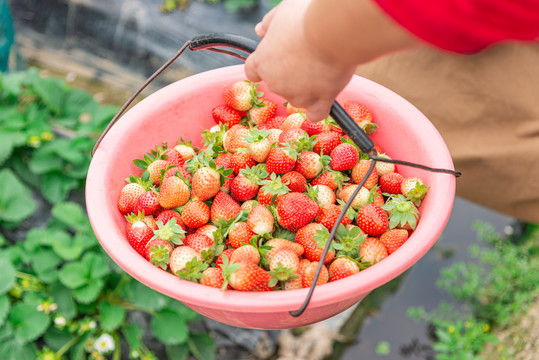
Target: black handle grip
220 39
208 41
349 126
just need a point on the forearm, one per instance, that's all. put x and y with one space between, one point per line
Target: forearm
352 32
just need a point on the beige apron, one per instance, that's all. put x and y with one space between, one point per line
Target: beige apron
486 107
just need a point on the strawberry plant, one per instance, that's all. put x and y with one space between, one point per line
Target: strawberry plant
497 289
61 297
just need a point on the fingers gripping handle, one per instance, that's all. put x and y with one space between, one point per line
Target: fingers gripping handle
211 41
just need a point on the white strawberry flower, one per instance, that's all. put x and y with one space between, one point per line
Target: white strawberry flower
104 344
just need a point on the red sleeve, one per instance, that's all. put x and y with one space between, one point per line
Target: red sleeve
466 26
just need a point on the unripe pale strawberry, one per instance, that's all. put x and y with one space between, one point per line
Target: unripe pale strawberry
180 256
260 220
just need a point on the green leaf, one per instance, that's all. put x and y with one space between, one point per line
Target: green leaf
89 292
133 335
45 161
144 297
44 263
202 346
7 276
5 306
8 142
79 101
68 248
56 338
55 186
64 299
74 275
112 316
70 214
177 352
28 322
16 203
98 267
51 92
168 327
15 350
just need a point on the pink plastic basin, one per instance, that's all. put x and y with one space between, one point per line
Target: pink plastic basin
183 109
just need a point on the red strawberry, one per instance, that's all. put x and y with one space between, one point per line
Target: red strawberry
391 182
244 277
309 273
295 181
360 170
155 168
271 190
283 265
260 220
329 214
372 250
262 112
244 187
275 123
138 235
158 252
182 255
240 234
227 253
226 115
198 241
173 192
170 232
342 267
186 150
213 276
326 142
241 159
147 203
224 207
248 205
195 214
130 193
372 219
235 138
309 164
402 212
293 121
290 109
207 230
173 157
376 197
166 215
332 179
241 95
393 239
313 238
259 144
358 112
205 183
344 157
281 160
292 135
314 128
295 210
277 243
245 254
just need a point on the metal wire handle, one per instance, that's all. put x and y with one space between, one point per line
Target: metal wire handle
212 42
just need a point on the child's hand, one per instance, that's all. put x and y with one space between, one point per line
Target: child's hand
290 67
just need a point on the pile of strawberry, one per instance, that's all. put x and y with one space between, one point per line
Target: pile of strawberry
253 208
